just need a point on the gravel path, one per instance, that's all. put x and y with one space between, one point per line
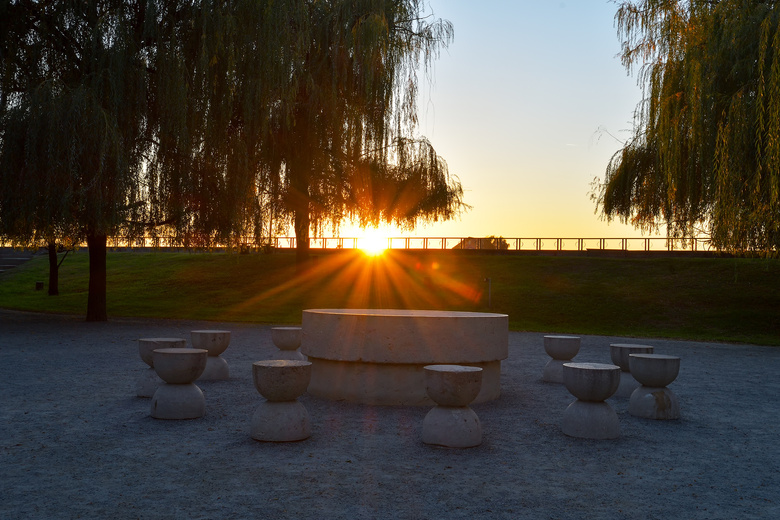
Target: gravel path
76 443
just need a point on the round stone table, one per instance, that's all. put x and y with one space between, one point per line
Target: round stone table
376 356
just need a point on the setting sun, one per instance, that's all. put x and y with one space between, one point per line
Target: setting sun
373 242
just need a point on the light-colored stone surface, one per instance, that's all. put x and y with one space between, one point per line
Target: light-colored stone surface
590 420
215 341
377 356
147 345
589 417
626 387
451 422
281 380
655 370
387 384
619 353
591 381
286 338
452 427
563 348
217 369
280 421
401 336
654 403
178 401
653 400
289 355
179 365
553 371
453 385
281 418
147 383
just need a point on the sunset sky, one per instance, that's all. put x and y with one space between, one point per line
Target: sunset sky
518 107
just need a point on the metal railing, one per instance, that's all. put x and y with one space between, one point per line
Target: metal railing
540 244
511 244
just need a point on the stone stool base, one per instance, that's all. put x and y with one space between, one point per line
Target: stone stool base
553 371
627 385
178 402
654 403
147 384
452 426
290 355
281 421
590 420
216 369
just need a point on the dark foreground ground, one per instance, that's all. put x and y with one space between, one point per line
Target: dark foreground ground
76 443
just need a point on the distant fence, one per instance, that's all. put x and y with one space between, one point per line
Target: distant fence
653 244
510 244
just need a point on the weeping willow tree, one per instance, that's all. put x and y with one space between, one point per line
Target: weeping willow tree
209 170
301 112
71 98
342 142
210 121
705 154
129 118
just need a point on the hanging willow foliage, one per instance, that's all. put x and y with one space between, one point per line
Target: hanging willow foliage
345 136
705 154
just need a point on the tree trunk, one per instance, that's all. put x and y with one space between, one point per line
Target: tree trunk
54 270
301 235
96 301
300 203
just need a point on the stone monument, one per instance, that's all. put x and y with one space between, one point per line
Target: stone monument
653 400
281 417
215 342
619 353
287 340
149 381
377 356
561 349
179 397
590 417
451 422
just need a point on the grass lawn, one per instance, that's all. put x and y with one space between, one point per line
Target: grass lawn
688 298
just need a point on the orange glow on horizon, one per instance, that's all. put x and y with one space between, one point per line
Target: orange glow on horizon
374 242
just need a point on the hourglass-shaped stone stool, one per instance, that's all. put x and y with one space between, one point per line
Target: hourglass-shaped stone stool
590 417
179 397
216 342
149 381
451 422
281 417
619 353
287 340
653 400
561 349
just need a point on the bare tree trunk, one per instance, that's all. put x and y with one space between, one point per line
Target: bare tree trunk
54 270
96 300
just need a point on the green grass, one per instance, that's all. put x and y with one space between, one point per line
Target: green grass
736 300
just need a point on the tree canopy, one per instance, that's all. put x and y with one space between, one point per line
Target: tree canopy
705 152
343 141
212 121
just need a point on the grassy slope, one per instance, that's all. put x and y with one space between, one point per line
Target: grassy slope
709 299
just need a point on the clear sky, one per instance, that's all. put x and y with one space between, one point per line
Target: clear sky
516 108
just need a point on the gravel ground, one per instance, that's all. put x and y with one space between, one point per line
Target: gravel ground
77 443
